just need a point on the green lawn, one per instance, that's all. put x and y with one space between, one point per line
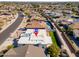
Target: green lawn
53 38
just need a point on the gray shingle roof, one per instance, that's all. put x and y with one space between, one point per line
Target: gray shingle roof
26 51
34 51
17 52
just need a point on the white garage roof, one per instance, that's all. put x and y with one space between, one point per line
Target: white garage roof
42 38
25 40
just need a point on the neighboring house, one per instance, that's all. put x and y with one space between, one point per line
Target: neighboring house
47 11
66 22
34 24
17 52
34 51
76 33
68 11
75 26
76 20
26 51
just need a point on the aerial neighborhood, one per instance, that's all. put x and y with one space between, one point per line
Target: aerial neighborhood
39 29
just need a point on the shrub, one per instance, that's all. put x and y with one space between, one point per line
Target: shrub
53 51
10 46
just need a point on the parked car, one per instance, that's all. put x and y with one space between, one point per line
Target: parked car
64 53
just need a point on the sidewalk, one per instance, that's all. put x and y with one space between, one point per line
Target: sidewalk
9 41
64 43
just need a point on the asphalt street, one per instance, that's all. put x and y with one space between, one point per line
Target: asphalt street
6 33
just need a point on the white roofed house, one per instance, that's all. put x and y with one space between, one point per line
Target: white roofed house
35 34
31 38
